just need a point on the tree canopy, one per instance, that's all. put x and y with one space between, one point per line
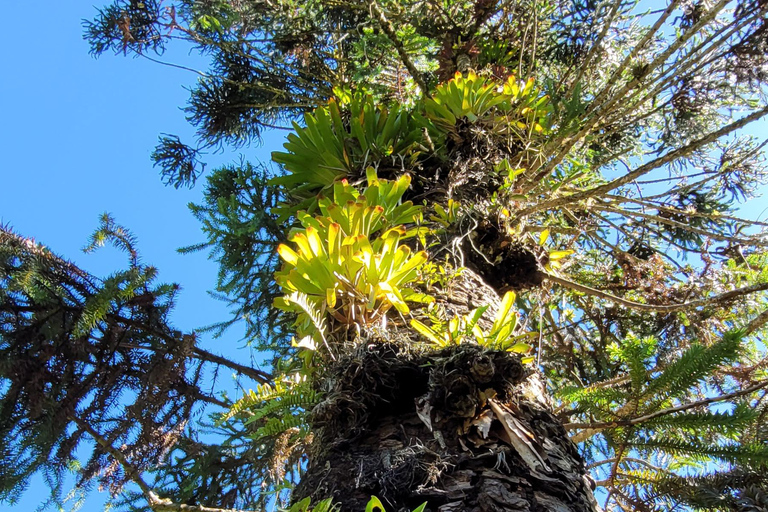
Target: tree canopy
585 159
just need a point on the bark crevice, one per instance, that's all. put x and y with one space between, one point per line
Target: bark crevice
462 428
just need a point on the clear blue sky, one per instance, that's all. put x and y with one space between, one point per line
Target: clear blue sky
76 137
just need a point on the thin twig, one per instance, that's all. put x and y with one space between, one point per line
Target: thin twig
593 428
389 30
659 308
643 169
155 503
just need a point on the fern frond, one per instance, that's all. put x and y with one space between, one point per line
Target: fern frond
310 309
279 425
321 506
267 399
304 398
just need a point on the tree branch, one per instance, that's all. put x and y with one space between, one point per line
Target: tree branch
199 353
661 308
389 30
259 376
155 503
680 225
604 101
130 471
643 169
757 323
162 505
593 428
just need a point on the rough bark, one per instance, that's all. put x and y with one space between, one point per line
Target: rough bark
463 428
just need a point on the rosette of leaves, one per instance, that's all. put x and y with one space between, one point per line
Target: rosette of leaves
347 262
510 106
503 334
335 143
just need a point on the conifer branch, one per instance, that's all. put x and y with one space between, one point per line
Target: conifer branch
593 428
130 470
599 41
652 31
662 208
675 224
389 30
257 375
677 72
641 462
203 355
161 505
601 111
155 503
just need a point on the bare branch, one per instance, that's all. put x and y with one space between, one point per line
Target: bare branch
644 169
388 29
257 375
130 471
757 323
660 308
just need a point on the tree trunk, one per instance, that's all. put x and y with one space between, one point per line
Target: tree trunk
462 428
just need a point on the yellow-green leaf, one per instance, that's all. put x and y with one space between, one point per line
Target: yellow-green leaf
520 348
374 505
428 333
288 254
558 255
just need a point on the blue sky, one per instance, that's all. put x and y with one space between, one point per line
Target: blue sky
76 139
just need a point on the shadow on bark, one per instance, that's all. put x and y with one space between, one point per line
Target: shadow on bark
463 429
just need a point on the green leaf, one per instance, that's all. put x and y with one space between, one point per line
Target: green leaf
428 333
558 255
301 506
694 365
374 504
